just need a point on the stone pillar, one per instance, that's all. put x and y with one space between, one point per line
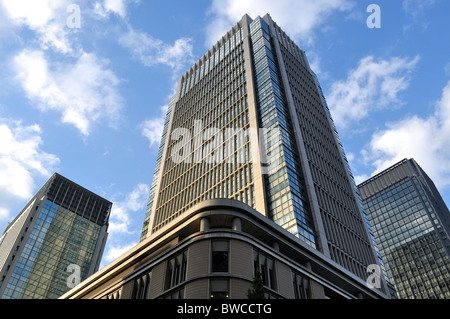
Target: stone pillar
204 224
237 225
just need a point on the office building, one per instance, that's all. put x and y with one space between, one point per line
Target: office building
411 224
212 252
251 166
258 78
55 242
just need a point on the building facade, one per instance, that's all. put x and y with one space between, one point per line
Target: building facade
249 122
411 224
250 175
55 242
212 252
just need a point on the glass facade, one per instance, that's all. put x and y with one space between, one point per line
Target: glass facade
256 78
406 227
59 247
59 238
338 215
286 194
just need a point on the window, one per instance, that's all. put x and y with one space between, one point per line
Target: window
266 266
176 270
219 289
219 256
114 295
177 294
140 288
301 286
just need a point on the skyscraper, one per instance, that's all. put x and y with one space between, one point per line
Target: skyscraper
411 224
250 176
249 122
55 242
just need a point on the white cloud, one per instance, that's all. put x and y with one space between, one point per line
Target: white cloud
118 7
83 92
427 140
32 13
55 36
121 222
416 10
314 63
49 19
373 85
116 251
447 69
361 178
21 161
308 15
150 51
46 17
153 128
120 219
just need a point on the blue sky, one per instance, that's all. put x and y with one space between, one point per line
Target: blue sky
84 86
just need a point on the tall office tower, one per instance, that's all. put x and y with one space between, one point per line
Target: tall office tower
249 122
55 242
412 226
250 176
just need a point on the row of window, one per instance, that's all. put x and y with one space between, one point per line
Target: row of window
415 258
213 99
226 133
75 199
348 244
193 183
217 84
184 185
175 276
219 182
59 237
292 214
212 61
290 46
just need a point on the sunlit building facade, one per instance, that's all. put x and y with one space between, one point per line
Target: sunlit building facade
411 224
212 251
250 175
249 122
54 243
